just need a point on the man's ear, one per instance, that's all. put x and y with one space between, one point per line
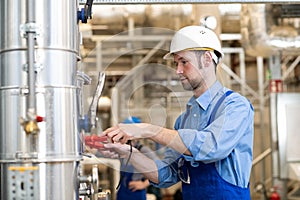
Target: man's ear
207 58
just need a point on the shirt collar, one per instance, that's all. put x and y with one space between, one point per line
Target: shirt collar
205 99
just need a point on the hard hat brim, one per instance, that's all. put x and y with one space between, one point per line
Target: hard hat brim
168 56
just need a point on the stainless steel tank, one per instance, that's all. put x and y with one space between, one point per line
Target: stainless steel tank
43 164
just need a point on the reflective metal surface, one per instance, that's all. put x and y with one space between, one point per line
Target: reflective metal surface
52 155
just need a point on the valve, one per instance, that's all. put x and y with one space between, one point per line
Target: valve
274 194
85 13
31 126
91 182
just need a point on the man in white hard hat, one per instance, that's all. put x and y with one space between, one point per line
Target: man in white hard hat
211 147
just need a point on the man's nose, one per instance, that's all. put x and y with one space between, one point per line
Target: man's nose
179 69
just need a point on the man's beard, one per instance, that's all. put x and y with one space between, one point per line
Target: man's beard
187 86
190 85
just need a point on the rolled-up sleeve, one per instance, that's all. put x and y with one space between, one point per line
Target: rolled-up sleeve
167 169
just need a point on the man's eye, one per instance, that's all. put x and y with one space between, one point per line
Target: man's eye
181 62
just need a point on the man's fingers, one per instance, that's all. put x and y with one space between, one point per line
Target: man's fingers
117 147
107 131
110 154
112 134
132 185
125 139
111 146
119 138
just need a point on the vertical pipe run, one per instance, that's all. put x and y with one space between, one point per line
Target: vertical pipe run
242 71
30 15
99 56
277 180
115 106
260 75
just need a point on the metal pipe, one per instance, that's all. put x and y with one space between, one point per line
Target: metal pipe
242 71
30 11
260 74
30 34
291 68
239 80
31 74
97 94
265 37
151 53
115 106
262 156
99 56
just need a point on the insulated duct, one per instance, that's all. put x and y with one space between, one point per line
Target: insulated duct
269 29
117 16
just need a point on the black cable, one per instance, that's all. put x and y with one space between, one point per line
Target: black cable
126 165
89 3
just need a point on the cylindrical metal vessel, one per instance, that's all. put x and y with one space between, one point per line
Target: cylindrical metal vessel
43 165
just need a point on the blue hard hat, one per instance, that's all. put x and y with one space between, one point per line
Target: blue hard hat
132 120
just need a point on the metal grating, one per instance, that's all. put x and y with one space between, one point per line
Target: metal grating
23 183
290 11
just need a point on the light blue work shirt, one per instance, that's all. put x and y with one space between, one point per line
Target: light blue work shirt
227 140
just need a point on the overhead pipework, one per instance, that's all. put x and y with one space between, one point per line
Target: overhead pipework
270 29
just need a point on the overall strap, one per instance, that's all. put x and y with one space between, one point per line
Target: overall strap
215 109
187 113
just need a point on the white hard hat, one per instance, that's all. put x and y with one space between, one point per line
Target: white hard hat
195 37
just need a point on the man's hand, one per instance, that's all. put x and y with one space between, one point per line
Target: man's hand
108 150
124 132
138 185
122 150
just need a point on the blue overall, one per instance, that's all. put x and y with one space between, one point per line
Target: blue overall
206 184
205 181
124 193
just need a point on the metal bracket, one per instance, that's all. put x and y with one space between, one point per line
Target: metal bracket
30 28
26 156
84 78
85 13
37 67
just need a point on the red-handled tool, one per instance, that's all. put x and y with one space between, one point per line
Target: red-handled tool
95 141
